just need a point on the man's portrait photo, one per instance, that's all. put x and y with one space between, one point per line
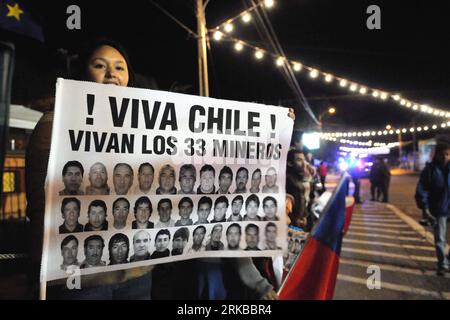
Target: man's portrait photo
96 216
70 211
118 247
122 178
142 212
69 252
98 179
93 251
72 176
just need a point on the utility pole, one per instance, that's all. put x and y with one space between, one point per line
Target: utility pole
202 54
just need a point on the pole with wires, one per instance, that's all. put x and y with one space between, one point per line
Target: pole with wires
202 54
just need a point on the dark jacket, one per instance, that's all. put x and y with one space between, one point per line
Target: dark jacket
433 190
63 229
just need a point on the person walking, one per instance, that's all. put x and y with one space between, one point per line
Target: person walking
433 197
323 171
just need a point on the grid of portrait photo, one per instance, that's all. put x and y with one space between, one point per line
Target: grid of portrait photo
115 213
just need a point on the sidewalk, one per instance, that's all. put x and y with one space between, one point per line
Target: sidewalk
379 237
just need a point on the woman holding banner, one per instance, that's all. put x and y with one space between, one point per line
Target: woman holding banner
104 62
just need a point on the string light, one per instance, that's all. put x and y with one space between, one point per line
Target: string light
218 35
313 73
388 130
246 17
228 27
297 66
343 83
269 3
329 78
238 46
259 54
280 61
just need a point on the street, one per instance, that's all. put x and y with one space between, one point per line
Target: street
388 237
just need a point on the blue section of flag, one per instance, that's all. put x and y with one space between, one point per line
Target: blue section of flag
22 23
329 229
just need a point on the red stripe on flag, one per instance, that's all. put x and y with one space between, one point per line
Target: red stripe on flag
314 275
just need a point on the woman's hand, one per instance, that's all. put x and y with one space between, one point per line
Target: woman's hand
291 113
271 295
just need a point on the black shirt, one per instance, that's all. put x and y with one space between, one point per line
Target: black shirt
88 227
63 229
163 254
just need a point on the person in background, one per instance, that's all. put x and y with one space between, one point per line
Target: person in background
433 198
374 177
385 179
323 171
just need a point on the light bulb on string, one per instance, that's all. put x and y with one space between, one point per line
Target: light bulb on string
247 17
259 54
297 66
269 3
218 35
313 73
228 27
238 46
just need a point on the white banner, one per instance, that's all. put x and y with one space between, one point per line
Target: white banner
139 177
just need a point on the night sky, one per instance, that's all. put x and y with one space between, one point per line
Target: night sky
409 55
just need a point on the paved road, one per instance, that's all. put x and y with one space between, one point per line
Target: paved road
384 236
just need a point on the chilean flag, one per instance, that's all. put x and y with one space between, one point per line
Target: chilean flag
313 276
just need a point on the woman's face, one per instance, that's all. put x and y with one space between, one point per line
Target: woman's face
108 66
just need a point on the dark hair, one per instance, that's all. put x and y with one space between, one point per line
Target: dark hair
87 52
185 199
145 164
67 200
205 199
234 225
242 169
165 200
141 200
256 171
439 150
239 197
270 198
224 170
251 225
199 227
220 200
72 164
207 167
162 232
94 237
118 199
67 239
252 197
118 237
271 224
291 154
123 164
183 233
186 167
97 203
